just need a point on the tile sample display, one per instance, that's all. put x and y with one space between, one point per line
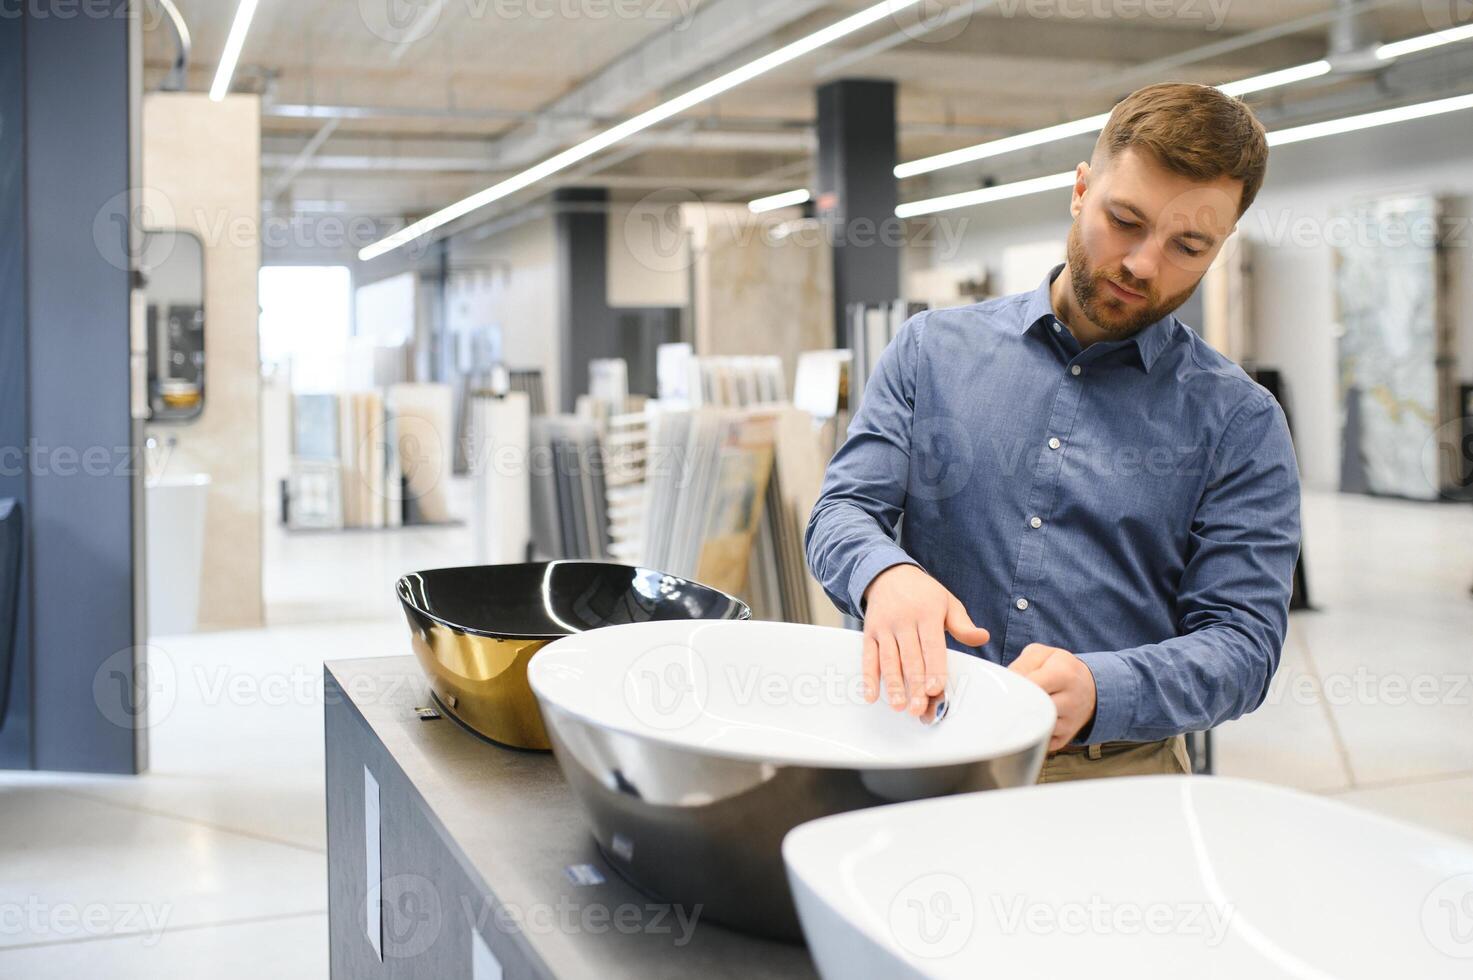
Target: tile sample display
1393 394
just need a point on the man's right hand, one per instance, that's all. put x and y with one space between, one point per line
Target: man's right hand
907 615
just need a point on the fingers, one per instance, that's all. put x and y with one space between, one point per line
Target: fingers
1053 675
933 651
914 665
1031 658
960 625
870 667
890 676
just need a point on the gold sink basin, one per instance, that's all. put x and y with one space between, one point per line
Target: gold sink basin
474 629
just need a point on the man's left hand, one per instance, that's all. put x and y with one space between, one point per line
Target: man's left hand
1066 679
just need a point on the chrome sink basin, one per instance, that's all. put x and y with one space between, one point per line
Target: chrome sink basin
1133 877
475 628
695 746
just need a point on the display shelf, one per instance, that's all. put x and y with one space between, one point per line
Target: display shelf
483 853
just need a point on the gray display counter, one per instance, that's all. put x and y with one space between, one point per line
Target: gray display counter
485 867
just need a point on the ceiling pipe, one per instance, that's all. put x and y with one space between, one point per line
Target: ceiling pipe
1154 71
1354 38
174 81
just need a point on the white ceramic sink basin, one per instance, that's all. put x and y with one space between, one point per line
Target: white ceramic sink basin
1142 877
695 746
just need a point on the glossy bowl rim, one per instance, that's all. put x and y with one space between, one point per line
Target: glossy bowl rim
400 590
550 708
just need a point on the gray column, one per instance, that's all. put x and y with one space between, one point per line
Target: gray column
72 255
15 746
588 326
856 191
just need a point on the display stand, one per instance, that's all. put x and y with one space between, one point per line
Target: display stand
448 857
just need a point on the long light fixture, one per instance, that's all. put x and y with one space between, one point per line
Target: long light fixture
1273 79
1092 124
1007 144
646 119
1367 120
1245 86
234 41
985 195
772 202
1280 137
1396 49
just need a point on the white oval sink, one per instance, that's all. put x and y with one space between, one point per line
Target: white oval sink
781 693
1151 876
695 746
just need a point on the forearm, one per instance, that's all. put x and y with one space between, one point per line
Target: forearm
847 548
1188 683
851 532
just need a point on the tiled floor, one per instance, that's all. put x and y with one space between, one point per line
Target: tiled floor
223 861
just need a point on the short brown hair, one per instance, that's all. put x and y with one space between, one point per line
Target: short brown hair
1192 130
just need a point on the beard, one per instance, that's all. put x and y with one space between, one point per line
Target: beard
1112 315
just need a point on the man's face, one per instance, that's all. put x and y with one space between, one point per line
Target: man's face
1142 238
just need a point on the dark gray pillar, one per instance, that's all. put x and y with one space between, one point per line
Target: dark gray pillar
15 747
856 191
76 242
585 331
588 327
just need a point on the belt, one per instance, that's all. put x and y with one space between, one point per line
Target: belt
1104 748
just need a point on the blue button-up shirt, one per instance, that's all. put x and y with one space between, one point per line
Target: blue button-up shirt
1135 502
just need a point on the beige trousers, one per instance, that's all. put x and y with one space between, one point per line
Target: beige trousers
1119 759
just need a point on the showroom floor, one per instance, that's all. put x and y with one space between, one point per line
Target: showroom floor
225 857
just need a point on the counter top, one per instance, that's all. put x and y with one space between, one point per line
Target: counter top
514 827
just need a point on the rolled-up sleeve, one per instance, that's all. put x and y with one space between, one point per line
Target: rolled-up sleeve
851 532
1233 600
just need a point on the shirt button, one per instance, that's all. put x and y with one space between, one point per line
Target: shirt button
1035 522
1057 327
1022 603
1075 370
1054 443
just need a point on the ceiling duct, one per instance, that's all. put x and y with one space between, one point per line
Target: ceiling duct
1354 38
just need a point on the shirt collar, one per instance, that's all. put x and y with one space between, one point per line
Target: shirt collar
1149 341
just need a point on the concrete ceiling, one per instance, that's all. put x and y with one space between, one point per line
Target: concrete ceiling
394 108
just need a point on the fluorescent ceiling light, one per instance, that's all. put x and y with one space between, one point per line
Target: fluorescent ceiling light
1280 137
985 195
1398 48
1350 124
1273 79
1007 144
234 41
1092 124
784 200
643 121
1258 83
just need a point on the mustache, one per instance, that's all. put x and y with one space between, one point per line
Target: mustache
1126 281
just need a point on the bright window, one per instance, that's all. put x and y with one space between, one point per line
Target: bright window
306 317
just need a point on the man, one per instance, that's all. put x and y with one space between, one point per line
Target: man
1115 502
